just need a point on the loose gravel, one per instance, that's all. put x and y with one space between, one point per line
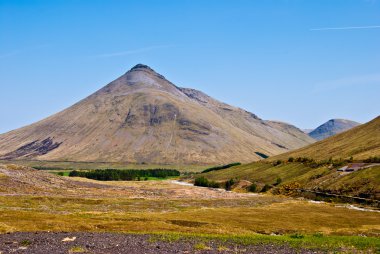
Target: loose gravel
103 243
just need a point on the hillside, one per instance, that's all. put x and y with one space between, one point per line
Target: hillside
142 117
331 128
360 142
365 182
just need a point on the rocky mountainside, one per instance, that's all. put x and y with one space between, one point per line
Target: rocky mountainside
331 128
141 117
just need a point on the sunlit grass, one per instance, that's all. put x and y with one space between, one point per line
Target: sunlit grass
186 216
318 241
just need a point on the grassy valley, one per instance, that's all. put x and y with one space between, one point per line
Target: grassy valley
165 210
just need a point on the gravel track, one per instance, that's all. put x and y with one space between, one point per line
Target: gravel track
52 243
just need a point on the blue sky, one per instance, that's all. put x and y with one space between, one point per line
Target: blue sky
298 61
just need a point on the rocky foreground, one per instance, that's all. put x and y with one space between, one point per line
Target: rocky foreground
51 243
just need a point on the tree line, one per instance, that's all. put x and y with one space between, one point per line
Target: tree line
222 167
124 174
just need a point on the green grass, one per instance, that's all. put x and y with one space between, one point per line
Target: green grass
77 249
59 172
25 243
158 178
318 241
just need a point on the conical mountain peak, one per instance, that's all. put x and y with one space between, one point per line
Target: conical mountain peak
141 67
144 70
143 117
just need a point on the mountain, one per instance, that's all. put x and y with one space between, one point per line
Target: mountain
141 117
360 142
331 128
307 131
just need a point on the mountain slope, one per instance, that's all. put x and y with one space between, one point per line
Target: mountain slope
143 118
360 142
331 128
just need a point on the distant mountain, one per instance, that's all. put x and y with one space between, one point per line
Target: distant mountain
360 142
307 131
141 117
331 128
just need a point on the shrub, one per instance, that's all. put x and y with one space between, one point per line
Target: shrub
297 236
204 182
266 188
338 163
291 159
61 174
276 163
229 184
290 188
278 181
214 184
201 181
252 188
372 160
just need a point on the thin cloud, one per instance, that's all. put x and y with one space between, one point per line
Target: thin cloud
344 28
20 51
16 52
134 51
365 80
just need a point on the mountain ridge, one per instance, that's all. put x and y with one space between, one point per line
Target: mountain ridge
141 117
332 127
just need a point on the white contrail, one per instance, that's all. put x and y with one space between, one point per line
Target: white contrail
344 28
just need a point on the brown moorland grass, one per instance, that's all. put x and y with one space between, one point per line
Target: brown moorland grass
87 205
115 215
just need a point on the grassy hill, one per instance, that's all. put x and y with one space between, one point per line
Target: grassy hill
360 142
364 183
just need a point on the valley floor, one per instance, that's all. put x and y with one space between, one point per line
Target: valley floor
35 201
